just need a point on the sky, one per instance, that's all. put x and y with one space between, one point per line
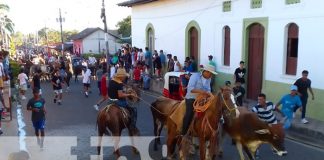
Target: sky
32 15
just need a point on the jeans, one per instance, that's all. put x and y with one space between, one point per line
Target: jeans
304 103
122 103
132 111
188 116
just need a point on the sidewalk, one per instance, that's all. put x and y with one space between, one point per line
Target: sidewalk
9 124
310 134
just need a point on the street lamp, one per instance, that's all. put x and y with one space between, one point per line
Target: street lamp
61 19
104 20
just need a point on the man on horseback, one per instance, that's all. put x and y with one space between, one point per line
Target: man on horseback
115 91
199 83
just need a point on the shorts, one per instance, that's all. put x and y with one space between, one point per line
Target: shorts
39 124
58 91
86 84
23 87
1 82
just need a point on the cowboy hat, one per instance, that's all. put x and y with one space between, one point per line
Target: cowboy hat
121 72
210 69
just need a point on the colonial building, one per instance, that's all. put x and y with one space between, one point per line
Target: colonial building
92 40
277 39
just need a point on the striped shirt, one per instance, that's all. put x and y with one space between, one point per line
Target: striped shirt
266 114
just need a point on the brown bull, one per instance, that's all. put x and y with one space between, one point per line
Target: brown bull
250 132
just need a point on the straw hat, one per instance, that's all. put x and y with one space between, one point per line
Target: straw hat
121 72
210 69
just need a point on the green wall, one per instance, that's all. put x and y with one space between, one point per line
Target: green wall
275 90
315 108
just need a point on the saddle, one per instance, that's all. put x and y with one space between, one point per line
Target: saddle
178 115
112 102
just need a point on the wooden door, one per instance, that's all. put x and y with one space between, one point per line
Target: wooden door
255 60
194 41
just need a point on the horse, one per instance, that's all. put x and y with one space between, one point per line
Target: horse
206 128
161 109
111 120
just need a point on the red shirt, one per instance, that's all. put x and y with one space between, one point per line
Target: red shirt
137 74
103 86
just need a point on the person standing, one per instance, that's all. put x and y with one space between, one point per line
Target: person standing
148 57
103 91
170 63
239 74
199 83
86 82
193 64
163 61
99 74
290 103
23 79
158 65
177 65
140 56
57 83
211 61
303 85
37 106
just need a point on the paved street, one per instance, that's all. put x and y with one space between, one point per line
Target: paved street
76 118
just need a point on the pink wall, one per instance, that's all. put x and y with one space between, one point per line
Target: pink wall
77 47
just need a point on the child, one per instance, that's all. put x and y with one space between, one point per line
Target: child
57 83
37 106
137 73
146 78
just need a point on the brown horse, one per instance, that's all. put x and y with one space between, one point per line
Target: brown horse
161 110
111 120
205 128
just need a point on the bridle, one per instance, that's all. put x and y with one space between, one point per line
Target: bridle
227 107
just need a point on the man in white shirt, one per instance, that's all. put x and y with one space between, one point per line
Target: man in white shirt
86 81
22 77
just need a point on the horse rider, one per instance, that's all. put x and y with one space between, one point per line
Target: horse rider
199 83
115 92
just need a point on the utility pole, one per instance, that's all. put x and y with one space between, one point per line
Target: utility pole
60 19
104 20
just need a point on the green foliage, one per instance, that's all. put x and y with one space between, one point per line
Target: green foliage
125 27
14 68
18 39
12 48
53 36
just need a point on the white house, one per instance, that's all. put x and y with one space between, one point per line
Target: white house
277 39
92 40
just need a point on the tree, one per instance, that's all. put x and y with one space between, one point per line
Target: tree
125 26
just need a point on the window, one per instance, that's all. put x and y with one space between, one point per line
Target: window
256 4
292 1
227 45
227 6
292 49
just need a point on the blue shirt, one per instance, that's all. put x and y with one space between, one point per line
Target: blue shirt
163 58
289 103
197 81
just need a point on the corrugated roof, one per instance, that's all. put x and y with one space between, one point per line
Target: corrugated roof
131 3
88 31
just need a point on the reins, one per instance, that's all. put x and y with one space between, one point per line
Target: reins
228 108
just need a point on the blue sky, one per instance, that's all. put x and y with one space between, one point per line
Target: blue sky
32 15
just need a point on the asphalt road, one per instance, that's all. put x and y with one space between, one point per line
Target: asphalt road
69 127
